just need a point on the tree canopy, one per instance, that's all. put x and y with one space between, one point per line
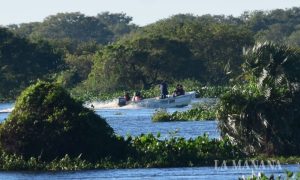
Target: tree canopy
23 62
126 55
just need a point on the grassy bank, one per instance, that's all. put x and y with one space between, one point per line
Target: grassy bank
146 151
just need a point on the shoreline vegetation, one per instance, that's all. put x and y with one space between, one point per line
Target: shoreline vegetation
144 151
199 112
201 92
251 63
148 151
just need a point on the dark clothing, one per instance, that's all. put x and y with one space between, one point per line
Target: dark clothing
179 91
163 90
127 97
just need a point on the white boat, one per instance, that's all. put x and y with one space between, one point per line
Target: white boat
8 110
169 102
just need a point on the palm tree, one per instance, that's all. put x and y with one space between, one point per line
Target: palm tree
263 114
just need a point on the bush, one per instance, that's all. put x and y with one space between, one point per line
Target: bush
263 114
47 123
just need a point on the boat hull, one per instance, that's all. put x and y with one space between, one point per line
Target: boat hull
169 102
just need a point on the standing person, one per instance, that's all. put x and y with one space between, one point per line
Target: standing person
163 90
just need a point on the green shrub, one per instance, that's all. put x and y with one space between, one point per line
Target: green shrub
263 114
47 123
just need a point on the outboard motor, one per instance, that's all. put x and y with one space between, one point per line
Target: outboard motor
122 101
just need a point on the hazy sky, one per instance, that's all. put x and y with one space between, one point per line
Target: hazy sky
142 11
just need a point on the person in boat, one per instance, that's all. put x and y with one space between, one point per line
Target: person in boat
163 90
179 90
176 91
126 96
137 96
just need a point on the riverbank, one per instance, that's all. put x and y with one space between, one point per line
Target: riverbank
149 151
142 151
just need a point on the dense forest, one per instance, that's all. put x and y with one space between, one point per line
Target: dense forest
107 52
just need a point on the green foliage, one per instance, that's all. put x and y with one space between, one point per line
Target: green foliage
152 152
206 48
143 151
276 25
139 63
211 91
78 70
161 115
216 43
201 112
262 176
22 63
262 115
47 123
70 30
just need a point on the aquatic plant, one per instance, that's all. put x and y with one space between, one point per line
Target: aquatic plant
143 151
262 176
199 112
177 151
161 115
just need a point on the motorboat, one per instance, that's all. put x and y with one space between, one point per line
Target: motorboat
169 102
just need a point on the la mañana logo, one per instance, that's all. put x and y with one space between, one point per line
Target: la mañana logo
251 164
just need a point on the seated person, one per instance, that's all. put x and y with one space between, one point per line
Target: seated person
137 96
179 90
126 96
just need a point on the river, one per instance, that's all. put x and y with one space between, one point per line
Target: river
135 121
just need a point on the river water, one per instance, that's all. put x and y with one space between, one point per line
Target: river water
135 121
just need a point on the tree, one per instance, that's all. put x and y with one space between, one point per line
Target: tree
216 42
140 63
75 26
118 23
263 115
23 62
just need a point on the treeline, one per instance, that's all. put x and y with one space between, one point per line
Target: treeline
107 52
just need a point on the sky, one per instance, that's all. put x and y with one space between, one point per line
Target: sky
143 11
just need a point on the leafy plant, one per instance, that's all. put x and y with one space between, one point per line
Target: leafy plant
262 115
47 123
201 112
161 115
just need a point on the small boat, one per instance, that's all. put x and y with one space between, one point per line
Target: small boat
8 110
169 102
